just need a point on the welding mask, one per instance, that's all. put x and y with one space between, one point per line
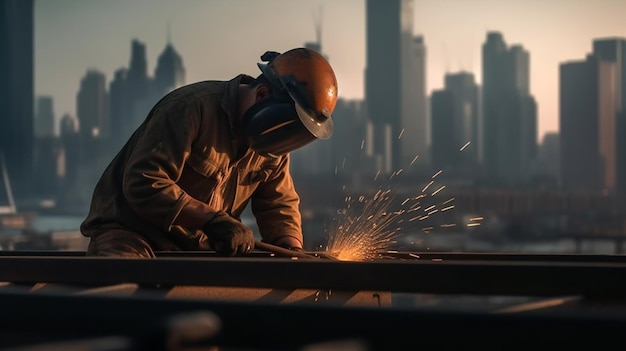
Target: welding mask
299 110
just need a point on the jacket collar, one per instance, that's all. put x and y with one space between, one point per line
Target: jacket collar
230 100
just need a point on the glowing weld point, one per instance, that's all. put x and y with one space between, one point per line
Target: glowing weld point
464 146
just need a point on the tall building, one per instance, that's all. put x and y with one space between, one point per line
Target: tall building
120 107
509 139
414 115
16 91
549 158
465 125
614 50
587 121
140 88
45 150
44 121
170 71
92 106
444 149
389 36
132 92
69 164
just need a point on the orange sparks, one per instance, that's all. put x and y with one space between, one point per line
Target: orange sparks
465 146
438 190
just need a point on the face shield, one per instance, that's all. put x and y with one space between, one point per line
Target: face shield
272 127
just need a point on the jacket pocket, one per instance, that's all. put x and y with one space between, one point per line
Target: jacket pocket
201 178
248 177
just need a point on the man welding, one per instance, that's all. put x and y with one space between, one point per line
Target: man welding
206 151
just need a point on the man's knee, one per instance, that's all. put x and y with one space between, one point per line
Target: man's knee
119 243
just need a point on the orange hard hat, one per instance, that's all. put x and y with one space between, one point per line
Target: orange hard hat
310 81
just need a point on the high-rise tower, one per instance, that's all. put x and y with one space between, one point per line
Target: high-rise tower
389 31
169 73
509 138
92 106
614 50
16 91
587 119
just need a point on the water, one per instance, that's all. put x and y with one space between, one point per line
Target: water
56 223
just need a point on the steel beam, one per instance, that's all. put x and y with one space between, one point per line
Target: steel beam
469 277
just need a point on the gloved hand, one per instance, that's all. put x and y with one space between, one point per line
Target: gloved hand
228 236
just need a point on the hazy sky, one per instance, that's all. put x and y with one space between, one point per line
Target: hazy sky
221 38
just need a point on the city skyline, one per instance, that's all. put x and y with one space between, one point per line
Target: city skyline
552 32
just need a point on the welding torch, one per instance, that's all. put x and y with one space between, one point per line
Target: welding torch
281 251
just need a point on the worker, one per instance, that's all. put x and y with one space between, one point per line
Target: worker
205 151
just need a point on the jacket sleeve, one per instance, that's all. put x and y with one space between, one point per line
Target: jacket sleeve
156 163
275 204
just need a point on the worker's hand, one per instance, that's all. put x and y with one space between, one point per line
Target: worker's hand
289 242
228 236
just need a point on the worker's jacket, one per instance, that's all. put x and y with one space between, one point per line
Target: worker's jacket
186 161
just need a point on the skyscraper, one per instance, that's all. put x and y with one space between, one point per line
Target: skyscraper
92 106
389 35
141 91
170 71
464 127
444 150
44 123
587 122
120 107
454 124
414 116
509 112
16 90
614 50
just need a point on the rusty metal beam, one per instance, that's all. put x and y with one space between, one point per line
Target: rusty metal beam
402 255
469 277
